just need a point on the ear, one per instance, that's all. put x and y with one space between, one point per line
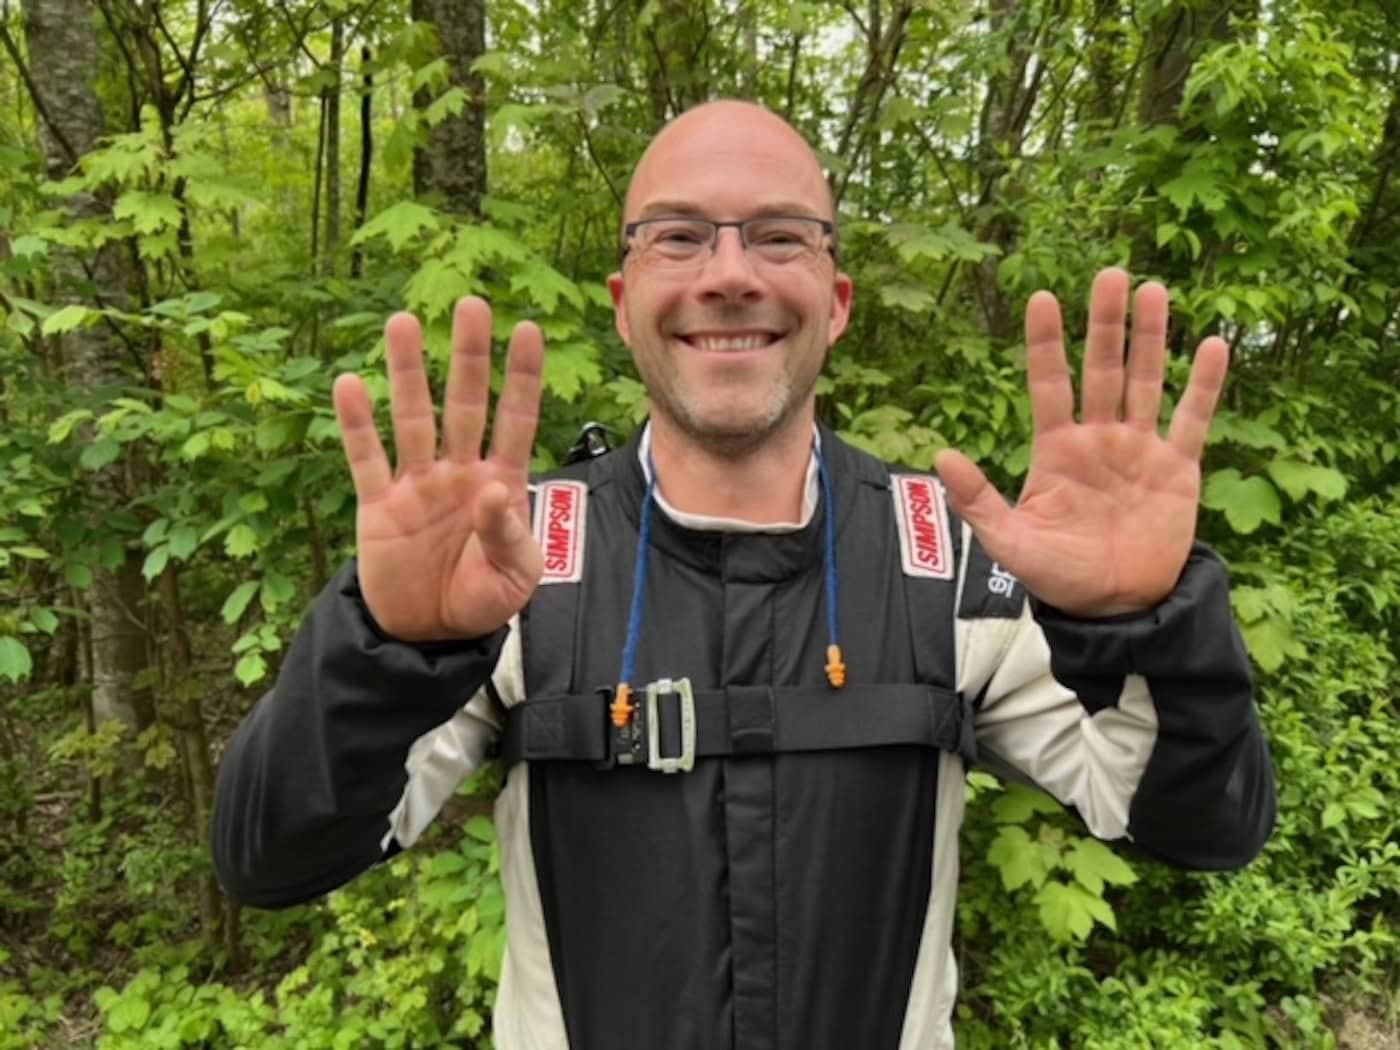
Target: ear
619 298
842 291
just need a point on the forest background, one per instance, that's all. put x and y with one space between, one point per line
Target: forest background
208 209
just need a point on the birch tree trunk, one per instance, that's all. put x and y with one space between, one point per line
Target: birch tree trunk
63 61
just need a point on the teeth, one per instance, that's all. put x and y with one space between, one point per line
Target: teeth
730 342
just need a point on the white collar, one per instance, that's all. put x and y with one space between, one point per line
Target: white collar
714 524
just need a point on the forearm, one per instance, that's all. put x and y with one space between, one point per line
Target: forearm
1205 796
307 783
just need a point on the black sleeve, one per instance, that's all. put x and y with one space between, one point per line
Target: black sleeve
1207 798
307 783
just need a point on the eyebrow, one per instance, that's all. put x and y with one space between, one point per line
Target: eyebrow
790 208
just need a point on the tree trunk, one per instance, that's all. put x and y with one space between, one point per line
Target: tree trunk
452 165
673 56
63 59
1011 93
366 155
1173 42
333 202
185 715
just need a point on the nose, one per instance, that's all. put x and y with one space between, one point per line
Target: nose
728 274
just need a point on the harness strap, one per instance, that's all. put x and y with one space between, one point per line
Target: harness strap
743 720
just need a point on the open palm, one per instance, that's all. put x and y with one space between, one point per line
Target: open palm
444 544
1106 518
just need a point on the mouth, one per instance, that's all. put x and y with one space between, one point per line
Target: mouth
728 342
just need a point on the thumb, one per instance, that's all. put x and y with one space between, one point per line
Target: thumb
974 499
505 536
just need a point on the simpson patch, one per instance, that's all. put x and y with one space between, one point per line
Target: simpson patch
925 540
561 513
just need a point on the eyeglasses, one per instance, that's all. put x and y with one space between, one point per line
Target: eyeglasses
685 243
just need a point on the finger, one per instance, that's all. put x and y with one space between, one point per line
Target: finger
1147 358
468 381
1047 371
369 466
410 404
518 410
975 500
505 536
1191 421
1103 347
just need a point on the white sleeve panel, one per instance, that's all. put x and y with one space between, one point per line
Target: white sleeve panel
442 758
528 1013
935 986
1036 726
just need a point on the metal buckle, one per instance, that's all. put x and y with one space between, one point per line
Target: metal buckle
685 761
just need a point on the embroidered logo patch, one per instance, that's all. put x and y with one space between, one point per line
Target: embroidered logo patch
561 512
925 541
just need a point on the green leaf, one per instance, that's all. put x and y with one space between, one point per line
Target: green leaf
1093 864
481 829
250 669
238 600
909 297
65 320
183 540
448 104
1069 911
1197 183
1270 642
1247 502
1297 479
43 620
195 445
29 246
1019 803
77 575
241 541
156 562
546 286
435 286
15 662
100 453
149 212
571 368
277 590
30 551
1333 813
399 224
1019 860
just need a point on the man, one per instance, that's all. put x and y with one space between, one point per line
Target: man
810 637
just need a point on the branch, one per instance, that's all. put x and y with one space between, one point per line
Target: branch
42 109
186 74
588 141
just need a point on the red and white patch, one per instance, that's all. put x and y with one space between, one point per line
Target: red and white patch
925 542
561 512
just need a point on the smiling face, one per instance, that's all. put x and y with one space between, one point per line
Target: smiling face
730 348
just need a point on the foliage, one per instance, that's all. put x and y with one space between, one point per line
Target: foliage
977 154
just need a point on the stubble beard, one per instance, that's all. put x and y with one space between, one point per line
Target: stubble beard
728 438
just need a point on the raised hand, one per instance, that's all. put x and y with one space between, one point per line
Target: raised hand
1106 519
444 543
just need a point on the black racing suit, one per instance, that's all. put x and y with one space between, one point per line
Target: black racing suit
762 900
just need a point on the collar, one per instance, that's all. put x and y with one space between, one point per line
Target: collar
747 553
707 522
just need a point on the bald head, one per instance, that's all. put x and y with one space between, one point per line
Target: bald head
711 139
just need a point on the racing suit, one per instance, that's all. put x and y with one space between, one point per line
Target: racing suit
776 895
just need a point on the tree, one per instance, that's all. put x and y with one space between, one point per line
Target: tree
62 71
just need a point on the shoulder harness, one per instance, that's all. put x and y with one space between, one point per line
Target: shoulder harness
554 724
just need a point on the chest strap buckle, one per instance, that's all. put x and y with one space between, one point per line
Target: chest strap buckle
685 761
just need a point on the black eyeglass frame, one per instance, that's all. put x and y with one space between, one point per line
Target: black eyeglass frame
828 229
